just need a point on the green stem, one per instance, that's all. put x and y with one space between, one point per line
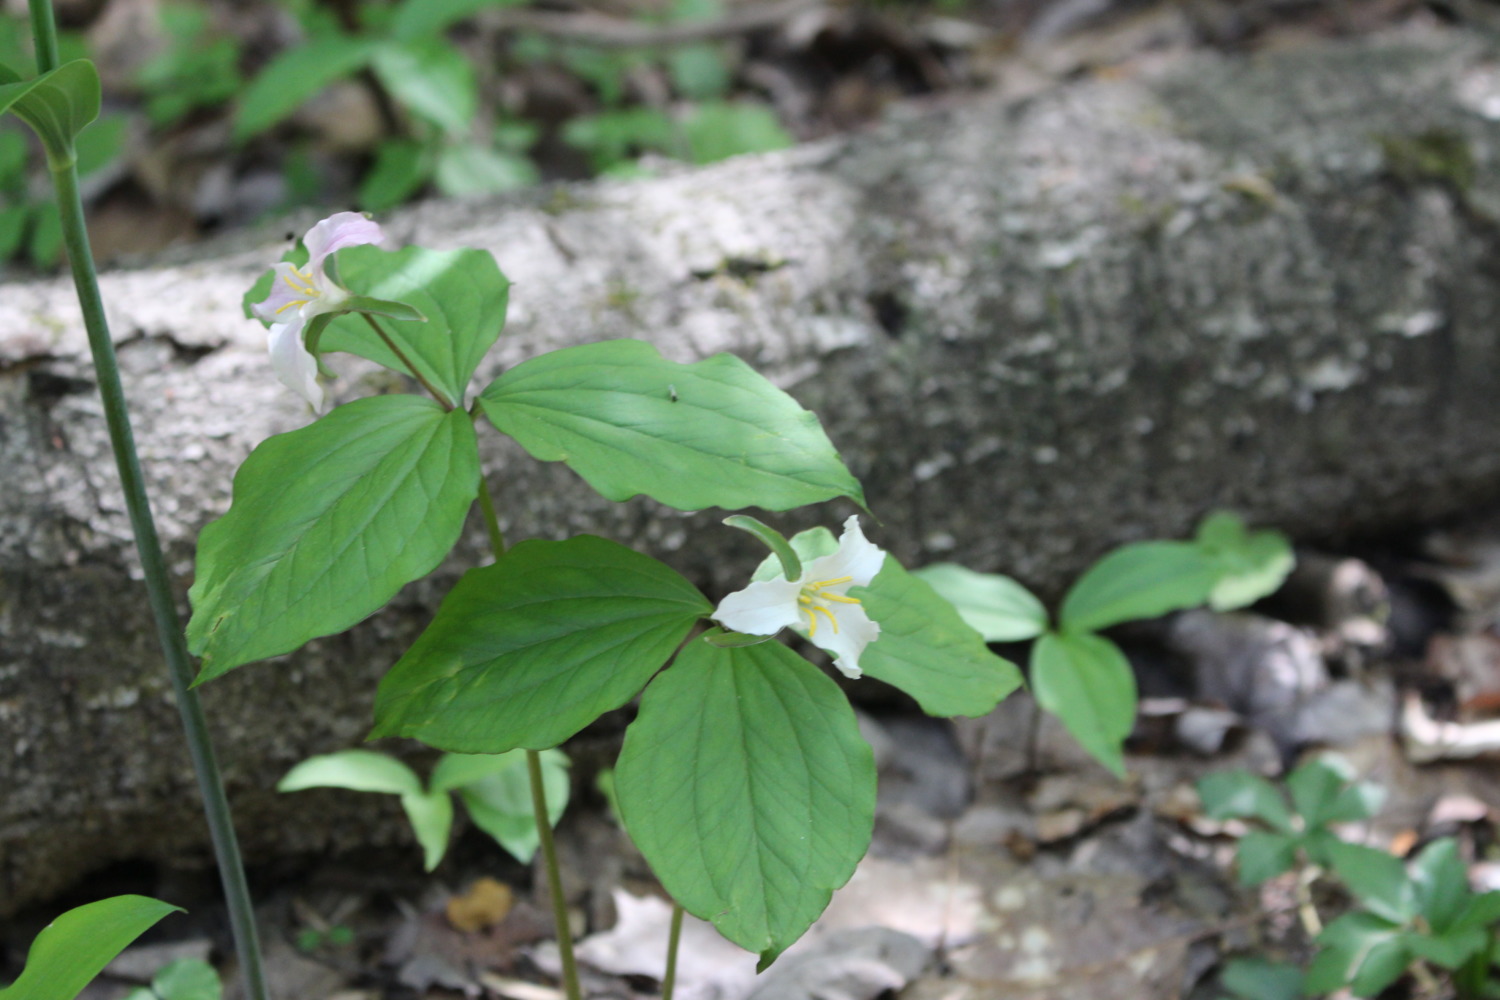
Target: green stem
539 801
148 545
554 877
669 980
44 36
447 403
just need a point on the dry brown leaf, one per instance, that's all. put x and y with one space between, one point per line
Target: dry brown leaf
485 904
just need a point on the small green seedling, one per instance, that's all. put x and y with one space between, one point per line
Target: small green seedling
186 979
493 787
311 939
1322 792
1084 678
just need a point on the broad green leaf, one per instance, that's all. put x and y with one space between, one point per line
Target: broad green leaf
432 80
1381 966
328 522
1229 794
927 650
708 434
1263 855
700 72
1320 792
356 770
528 651
1376 879
717 130
74 948
1142 580
57 105
187 979
400 168
467 170
1449 950
995 606
1248 566
1087 683
1258 979
431 816
295 76
1441 880
1346 942
1480 911
461 292
496 789
746 785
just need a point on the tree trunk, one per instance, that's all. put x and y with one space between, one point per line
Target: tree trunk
1035 329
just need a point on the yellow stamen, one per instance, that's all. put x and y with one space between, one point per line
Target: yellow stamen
828 583
812 619
306 288
294 302
840 598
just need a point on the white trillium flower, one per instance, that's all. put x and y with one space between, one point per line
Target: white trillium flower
817 603
299 294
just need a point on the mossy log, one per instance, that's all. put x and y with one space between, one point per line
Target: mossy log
1035 329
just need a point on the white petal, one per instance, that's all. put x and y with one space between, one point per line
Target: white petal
857 557
289 287
763 608
293 363
342 229
856 631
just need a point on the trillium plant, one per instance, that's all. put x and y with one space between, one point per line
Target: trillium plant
743 778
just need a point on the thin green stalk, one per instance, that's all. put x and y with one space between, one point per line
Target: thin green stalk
669 980
554 877
447 403
148 545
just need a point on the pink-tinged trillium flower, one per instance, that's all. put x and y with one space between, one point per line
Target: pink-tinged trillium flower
817 603
299 294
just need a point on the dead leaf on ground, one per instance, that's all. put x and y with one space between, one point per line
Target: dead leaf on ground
485 904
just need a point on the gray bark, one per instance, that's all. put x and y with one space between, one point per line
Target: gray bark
1035 329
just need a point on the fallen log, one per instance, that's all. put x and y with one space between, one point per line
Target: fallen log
1034 328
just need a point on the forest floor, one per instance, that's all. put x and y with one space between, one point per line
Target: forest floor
1005 862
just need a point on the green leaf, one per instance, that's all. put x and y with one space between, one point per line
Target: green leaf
74 948
1376 879
708 434
995 606
45 248
420 18
1450 949
187 979
1263 855
461 292
528 651
431 817
497 793
1323 791
1229 794
1441 880
1142 580
12 229
927 650
380 307
1480 911
1382 965
746 785
1247 566
400 168
328 522
1087 683
467 170
295 76
699 72
1258 979
717 130
356 770
57 105
1346 942
432 80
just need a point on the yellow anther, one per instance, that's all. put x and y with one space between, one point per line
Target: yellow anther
828 583
306 288
294 302
812 619
840 598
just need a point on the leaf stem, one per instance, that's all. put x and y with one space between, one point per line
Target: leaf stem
148 546
446 403
539 797
669 980
554 876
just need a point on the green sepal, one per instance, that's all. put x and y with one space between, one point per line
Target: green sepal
747 786
528 651
57 105
383 307
328 522
774 540
713 433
